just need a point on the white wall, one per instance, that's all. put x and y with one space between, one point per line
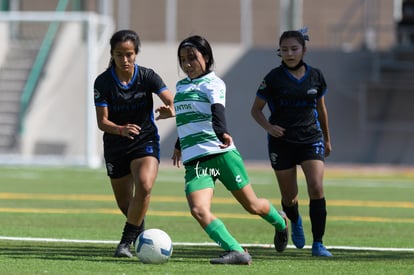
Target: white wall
57 114
4 40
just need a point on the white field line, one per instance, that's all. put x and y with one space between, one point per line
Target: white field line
54 240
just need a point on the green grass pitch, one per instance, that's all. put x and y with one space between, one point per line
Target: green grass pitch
73 224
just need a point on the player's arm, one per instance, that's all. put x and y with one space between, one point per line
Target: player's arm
323 121
220 125
176 157
167 110
107 126
258 115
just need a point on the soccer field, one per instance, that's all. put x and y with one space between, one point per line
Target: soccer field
65 220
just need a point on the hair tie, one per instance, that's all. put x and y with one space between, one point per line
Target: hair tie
188 44
304 32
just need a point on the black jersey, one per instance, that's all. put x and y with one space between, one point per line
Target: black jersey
132 103
292 102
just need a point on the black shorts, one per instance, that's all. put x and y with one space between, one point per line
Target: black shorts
284 155
118 162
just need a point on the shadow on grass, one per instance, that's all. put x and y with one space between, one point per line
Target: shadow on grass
187 254
51 251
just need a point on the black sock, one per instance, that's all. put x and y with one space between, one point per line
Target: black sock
142 226
130 233
292 212
317 214
141 229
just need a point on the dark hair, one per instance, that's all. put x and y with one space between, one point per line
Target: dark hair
202 45
298 35
122 36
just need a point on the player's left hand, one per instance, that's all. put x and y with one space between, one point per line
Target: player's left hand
176 157
227 141
164 111
328 148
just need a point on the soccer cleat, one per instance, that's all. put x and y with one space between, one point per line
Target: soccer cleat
319 250
298 237
281 237
123 251
233 257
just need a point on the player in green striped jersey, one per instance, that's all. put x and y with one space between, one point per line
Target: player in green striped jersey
209 154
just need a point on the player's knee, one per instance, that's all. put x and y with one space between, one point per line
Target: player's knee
199 213
255 208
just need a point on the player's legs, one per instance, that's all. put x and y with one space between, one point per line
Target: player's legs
282 157
258 206
234 176
199 203
248 199
123 189
288 186
313 170
262 207
134 192
199 192
144 172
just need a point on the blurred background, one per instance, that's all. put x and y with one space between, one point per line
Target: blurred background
52 50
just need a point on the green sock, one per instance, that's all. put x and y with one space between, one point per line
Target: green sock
274 218
219 233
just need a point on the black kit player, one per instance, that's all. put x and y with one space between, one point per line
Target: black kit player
298 134
124 109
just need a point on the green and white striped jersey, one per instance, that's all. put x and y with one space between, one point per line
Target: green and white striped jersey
192 103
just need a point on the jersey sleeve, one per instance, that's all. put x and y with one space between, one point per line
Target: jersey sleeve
155 83
264 90
216 91
322 89
100 95
261 91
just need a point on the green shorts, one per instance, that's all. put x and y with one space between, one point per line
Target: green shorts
227 167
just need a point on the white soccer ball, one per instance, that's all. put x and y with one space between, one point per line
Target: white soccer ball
153 246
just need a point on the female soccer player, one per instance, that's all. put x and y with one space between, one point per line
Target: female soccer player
208 152
124 110
298 134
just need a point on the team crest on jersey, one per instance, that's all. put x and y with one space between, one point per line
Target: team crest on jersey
96 94
312 91
139 95
262 85
222 93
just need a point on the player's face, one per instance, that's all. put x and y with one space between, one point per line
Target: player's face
124 56
192 62
291 51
